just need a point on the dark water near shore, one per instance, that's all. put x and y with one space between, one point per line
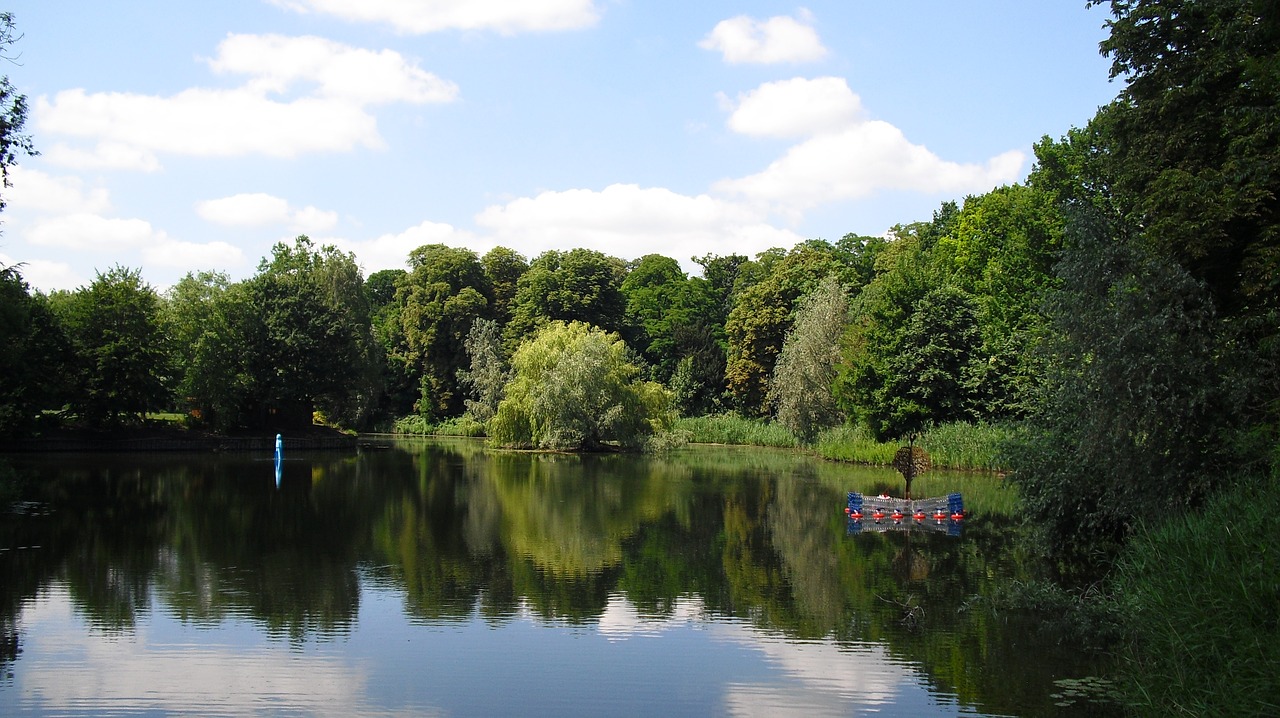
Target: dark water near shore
437 578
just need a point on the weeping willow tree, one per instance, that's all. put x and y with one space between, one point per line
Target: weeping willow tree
575 388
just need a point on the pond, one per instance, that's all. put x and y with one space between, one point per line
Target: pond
435 577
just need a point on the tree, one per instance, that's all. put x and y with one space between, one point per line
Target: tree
309 340
1136 418
122 352
762 315
13 111
445 292
802 379
503 268
1194 139
580 285
34 355
574 388
488 374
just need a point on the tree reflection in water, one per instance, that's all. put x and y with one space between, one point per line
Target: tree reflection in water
461 532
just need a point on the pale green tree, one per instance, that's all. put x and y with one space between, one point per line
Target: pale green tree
574 388
801 389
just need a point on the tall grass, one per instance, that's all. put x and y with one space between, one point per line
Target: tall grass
950 446
734 429
854 444
1202 597
960 445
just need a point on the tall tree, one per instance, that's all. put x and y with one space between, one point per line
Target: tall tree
445 292
1194 139
34 355
801 389
578 285
123 354
763 312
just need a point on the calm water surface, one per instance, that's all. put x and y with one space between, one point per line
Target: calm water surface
437 578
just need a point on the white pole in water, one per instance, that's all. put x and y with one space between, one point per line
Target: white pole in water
279 457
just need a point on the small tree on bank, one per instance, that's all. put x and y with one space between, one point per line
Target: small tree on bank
574 388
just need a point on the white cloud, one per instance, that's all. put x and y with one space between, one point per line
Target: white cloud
258 209
244 210
310 219
628 221
842 155
391 251
417 17
106 155
191 255
83 231
796 108
362 76
37 191
117 238
130 129
44 274
779 39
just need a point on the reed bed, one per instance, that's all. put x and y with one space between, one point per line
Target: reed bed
1201 594
734 429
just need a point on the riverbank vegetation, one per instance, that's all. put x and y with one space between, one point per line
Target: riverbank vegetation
1107 332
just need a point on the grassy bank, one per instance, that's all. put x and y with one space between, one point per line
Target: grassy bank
950 446
1201 594
735 429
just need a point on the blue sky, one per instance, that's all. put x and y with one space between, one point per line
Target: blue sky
178 137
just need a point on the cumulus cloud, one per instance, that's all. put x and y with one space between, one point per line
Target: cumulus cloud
130 129
83 231
188 255
417 17
779 39
45 275
258 209
275 63
796 108
116 237
862 159
628 221
391 251
842 155
34 190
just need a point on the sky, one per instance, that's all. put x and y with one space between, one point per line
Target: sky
178 137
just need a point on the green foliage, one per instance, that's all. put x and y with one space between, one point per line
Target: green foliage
763 311
806 367
445 292
34 356
580 285
13 111
489 373
1194 139
1202 600
732 428
417 425
574 388
122 353
1135 418
503 268
954 445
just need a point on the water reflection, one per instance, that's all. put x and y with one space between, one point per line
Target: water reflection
710 580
